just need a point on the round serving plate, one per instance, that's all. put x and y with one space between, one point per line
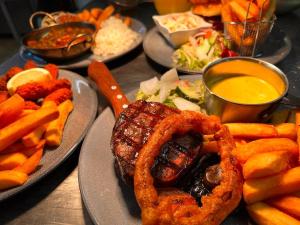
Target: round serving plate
82 117
107 199
85 60
157 48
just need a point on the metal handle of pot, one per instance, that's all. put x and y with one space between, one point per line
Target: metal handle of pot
88 39
40 13
291 101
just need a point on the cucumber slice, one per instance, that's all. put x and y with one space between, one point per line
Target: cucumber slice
150 87
170 76
184 104
191 91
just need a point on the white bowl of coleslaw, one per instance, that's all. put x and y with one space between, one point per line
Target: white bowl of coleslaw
178 27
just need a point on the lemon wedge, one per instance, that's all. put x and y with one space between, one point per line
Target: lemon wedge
27 76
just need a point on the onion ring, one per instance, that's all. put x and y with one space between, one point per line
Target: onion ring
157 209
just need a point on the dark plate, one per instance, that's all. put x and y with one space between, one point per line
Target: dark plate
276 48
82 117
107 199
85 60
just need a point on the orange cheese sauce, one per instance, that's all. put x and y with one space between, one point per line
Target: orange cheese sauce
245 90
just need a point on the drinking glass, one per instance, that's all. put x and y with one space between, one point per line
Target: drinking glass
171 6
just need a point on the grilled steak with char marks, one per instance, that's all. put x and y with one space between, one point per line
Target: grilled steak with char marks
132 130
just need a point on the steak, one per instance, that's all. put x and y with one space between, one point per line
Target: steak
132 130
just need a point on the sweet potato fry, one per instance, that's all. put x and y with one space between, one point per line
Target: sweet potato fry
20 147
34 137
95 12
127 21
3 96
288 204
287 130
10 109
25 125
30 165
11 178
30 151
85 15
263 214
55 128
244 152
252 130
259 189
107 12
266 164
11 160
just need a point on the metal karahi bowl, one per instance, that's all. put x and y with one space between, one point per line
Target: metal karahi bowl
76 47
230 111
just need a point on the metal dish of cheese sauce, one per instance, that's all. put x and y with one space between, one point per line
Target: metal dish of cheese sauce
243 89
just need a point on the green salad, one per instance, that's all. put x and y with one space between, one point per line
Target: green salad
203 48
173 92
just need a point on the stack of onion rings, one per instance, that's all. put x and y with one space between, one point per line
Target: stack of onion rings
176 207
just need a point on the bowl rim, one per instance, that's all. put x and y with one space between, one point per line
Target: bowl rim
157 20
259 61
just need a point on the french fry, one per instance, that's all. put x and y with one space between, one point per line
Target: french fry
244 152
30 165
252 130
33 138
12 178
266 164
288 204
25 125
265 4
55 128
240 12
95 12
10 109
255 190
263 214
239 142
127 21
107 12
11 160
253 9
287 130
